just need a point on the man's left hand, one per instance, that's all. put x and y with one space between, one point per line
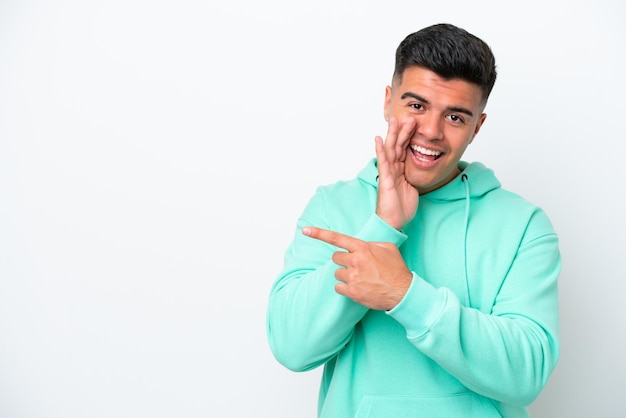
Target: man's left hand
373 274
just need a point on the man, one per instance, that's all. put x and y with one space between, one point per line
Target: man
423 287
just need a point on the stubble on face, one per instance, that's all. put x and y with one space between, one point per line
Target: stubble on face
448 115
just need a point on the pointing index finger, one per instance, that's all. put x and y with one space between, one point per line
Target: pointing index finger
334 238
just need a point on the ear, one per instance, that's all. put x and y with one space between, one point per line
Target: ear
387 102
483 116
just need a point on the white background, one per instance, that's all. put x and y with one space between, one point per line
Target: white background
154 157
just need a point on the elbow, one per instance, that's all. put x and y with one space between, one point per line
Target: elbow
530 386
525 397
538 367
295 363
291 357
519 393
295 355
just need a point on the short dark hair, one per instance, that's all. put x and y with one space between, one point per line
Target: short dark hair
451 53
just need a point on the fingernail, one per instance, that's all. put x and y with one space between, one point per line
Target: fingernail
306 230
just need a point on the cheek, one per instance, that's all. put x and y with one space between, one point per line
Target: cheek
405 115
458 147
462 147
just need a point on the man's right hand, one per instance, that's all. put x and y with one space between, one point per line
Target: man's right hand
397 198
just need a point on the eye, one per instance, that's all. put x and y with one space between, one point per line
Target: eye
456 118
416 106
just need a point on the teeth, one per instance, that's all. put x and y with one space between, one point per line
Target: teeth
425 151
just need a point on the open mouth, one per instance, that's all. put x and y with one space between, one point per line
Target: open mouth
425 154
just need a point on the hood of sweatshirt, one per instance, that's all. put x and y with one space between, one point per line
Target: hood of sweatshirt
481 179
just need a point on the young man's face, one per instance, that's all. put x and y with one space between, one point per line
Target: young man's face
448 115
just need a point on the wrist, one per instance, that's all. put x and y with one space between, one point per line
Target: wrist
392 221
402 286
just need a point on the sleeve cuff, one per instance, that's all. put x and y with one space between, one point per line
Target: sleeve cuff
377 230
420 308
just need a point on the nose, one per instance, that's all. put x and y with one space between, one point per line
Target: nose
429 126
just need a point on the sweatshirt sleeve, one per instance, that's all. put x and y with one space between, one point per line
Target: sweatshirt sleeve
509 353
308 323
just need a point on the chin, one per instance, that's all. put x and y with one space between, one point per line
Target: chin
420 179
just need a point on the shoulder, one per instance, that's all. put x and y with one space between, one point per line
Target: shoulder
343 205
363 184
509 210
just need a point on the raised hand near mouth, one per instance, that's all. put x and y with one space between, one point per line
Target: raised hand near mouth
397 198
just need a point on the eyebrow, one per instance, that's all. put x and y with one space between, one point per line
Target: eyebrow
453 108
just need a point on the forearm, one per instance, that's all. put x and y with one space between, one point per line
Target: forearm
308 321
507 358
505 352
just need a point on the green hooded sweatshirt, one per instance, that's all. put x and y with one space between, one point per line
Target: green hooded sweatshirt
476 334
